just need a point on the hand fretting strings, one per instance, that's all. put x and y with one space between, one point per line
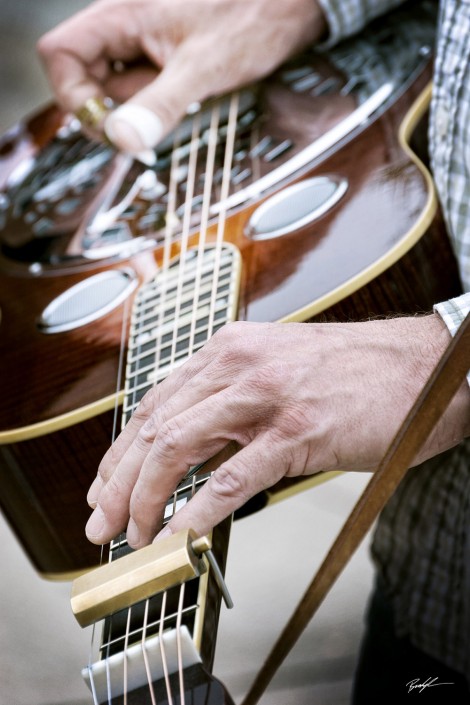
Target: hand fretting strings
159 325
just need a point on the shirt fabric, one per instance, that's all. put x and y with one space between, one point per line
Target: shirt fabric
421 545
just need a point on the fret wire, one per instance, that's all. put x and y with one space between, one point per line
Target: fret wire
171 278
169 230
163 341
142 333
143 312
160 376
159 331
163 351
115 545
146 304
208 185
193 156
140 363
172 191
188 301
165 367
228 161
151 290
175 326
154 623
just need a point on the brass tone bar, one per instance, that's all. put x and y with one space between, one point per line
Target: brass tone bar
135 577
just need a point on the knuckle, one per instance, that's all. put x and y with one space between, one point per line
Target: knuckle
291 423
116 492
46 45
170 438
265 380
146 406
230 333
109 462
228 481
148 431
142 507
228 343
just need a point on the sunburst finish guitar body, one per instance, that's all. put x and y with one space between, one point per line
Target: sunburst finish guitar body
325 210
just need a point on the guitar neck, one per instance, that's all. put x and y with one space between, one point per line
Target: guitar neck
175 629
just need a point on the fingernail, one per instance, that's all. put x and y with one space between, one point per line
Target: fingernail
132 533
94 491
95 524
133 128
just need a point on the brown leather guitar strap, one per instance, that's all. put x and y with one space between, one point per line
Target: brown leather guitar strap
429 407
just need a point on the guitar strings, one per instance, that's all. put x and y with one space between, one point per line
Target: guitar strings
208 188
206 202
146 656
126 646
224 193
186 227
166 258
178 644
162 650
159 327
169 231
189 200
195 142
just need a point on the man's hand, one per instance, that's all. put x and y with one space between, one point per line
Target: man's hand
297 399
200 48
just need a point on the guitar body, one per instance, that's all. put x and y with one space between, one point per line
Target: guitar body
375 247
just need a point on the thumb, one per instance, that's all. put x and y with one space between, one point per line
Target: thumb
138 125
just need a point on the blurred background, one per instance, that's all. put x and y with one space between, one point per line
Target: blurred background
272 557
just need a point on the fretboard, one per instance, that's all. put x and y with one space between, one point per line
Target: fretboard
174 314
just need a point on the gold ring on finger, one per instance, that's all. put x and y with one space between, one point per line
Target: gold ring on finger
93 112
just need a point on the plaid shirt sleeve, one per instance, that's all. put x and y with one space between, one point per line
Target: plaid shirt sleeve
346 17
454 311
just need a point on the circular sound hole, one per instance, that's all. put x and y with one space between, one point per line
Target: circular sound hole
87 301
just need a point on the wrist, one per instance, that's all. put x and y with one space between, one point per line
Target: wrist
454 424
